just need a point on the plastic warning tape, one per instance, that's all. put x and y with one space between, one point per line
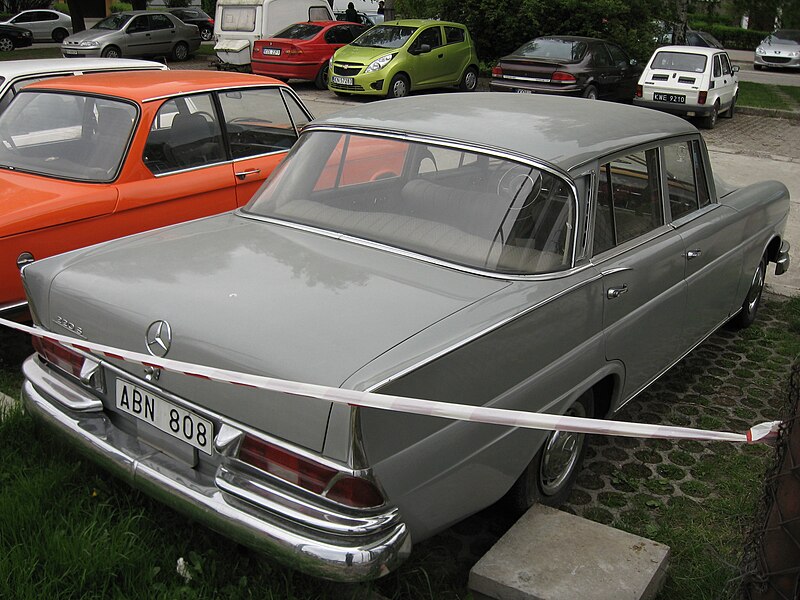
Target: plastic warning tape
447 410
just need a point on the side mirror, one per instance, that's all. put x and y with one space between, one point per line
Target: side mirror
735 68
421 49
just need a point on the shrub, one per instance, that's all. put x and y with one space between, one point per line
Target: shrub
61 7
737 38
120 6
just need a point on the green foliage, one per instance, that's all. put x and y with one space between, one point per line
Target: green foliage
61 7
120 7
737 38
176 3
209 6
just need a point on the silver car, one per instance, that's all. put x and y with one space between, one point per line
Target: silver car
46 25
498 250
135 33
780 49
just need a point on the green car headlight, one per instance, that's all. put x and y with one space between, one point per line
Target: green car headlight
378 64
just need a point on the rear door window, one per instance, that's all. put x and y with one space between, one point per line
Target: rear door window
257 122
687 187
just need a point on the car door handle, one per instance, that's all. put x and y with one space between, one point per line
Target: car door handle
616 292
693 254
242 174
441 56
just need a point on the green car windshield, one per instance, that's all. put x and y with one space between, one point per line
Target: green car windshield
385 36
467 208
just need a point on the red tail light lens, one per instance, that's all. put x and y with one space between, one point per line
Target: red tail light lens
497 71
562 77
292 51
309 474
639 91
702 97
58 355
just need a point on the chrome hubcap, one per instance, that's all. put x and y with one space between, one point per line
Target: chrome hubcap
399 88
6 45
561 452
755 289
471 80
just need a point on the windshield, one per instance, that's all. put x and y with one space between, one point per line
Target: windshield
472 209
299 31
65 135
385 36
679 61
113 23
785 36
553 49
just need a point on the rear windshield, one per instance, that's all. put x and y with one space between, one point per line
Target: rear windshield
679 61
65 135
385 36
472 209
299 31
113 23
238 18
785 36
553 49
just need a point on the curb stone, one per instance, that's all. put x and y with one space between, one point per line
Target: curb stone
769 112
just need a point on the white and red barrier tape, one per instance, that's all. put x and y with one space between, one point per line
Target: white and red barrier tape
477 414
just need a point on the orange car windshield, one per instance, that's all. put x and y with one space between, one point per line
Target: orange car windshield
67 136
463 207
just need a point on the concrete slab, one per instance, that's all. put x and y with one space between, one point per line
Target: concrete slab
552 555
742 169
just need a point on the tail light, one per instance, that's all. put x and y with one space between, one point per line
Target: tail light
562 77
497 71
292 51
309 474
59 355
256 49
639 91
702 97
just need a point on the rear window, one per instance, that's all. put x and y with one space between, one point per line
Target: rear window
679 61
299 31
239 18
553 49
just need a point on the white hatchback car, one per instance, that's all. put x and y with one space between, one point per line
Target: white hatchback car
691 82
45 24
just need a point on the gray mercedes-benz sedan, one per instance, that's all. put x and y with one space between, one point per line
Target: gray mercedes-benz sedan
511 251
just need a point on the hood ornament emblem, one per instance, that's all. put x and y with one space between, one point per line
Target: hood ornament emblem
158 338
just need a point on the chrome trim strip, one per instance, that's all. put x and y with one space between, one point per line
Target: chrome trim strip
522 78
13 307
682 356
324 553
617 251
216 164
205 90
486 331
615 270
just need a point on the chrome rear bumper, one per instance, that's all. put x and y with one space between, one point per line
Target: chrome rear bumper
782 260
340 553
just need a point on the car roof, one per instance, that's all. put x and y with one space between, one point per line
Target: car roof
419 22
570 38
142 86
565 132
691 50
36 66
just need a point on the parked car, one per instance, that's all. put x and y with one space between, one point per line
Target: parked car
135 33
528 263
16 74
303 50
691 82
14 37
703 39
195 16
398 57
568 66
363 18
90 158
46 25
780 49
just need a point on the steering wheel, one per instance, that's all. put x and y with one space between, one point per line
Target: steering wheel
518 182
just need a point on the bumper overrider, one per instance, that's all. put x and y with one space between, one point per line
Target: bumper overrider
325 541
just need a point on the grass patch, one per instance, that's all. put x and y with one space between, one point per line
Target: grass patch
30 52
792 91
760 95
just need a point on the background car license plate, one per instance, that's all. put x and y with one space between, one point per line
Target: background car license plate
70 51
164 415
342 80
674 98
272 51
521 91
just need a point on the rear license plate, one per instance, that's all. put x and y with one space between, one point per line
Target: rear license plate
70 52
674 98
342 80
272 51
519 91
170 418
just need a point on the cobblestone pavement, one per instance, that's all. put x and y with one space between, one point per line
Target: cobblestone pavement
757 136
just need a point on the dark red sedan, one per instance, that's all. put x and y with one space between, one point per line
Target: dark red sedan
568 66
302 50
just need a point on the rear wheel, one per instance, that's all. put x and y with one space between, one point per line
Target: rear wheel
180 52
6 45
590 92
206 33
752 301
111 52
59 35
321 80
549 477
469 82
711 120
399 87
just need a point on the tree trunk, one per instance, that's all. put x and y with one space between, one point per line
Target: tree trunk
683 22
76 12
388 10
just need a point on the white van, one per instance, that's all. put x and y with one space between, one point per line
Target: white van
238 23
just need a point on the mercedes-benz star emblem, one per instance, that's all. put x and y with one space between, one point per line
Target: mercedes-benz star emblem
158 338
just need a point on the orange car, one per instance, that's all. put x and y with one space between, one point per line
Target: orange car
90 158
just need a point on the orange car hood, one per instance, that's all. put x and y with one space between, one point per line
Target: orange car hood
29 202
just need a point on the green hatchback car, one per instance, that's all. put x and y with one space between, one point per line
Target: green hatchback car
397 57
